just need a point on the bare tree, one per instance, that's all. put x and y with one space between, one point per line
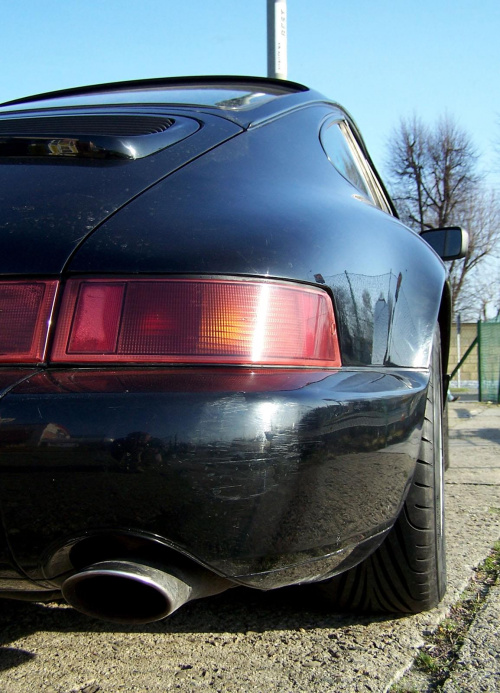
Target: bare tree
408 162
435 183
474 282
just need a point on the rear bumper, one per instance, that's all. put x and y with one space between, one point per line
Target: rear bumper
268 477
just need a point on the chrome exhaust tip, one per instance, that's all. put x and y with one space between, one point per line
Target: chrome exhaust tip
125 592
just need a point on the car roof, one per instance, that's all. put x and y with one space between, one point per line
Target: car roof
245 100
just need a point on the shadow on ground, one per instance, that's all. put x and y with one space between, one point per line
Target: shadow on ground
238 611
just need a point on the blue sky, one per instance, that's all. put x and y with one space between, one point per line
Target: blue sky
382 59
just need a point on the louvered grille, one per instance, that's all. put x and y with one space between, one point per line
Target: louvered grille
122 126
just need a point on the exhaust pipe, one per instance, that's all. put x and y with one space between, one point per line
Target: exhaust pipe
124 591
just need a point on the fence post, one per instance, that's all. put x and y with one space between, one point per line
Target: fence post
480 396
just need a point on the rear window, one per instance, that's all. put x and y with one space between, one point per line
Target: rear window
234 97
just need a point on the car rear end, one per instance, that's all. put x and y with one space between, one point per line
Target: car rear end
181 392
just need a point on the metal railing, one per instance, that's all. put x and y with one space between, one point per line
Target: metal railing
488 341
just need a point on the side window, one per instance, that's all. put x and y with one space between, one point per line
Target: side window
346 155
339 151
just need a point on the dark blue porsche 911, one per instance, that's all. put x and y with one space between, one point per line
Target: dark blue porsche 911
222 356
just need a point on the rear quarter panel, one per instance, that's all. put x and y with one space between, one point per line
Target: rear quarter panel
269 203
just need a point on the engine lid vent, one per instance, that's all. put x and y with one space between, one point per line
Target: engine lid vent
99 136
113 125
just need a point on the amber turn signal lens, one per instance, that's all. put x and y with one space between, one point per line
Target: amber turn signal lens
218 321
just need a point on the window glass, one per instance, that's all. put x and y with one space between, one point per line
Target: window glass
346 154
228 97
340 153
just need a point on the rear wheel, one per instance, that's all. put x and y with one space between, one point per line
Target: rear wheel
407 573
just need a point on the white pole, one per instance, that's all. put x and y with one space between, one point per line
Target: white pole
277 66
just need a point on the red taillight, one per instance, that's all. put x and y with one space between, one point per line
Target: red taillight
195 321
25 309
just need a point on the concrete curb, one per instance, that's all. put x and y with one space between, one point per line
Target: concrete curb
472 486
478 668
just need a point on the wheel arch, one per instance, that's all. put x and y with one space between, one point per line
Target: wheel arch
444 320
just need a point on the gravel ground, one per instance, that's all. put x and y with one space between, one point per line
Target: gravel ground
249 641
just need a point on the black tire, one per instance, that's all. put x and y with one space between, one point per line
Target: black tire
407 573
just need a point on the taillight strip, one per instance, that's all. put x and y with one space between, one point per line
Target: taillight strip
25 313
195 321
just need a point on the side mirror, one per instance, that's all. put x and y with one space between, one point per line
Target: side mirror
450 243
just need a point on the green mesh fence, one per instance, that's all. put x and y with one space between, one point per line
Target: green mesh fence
489 360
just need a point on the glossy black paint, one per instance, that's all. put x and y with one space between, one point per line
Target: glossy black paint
50 206
268 477
248 472
265 203
269 203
